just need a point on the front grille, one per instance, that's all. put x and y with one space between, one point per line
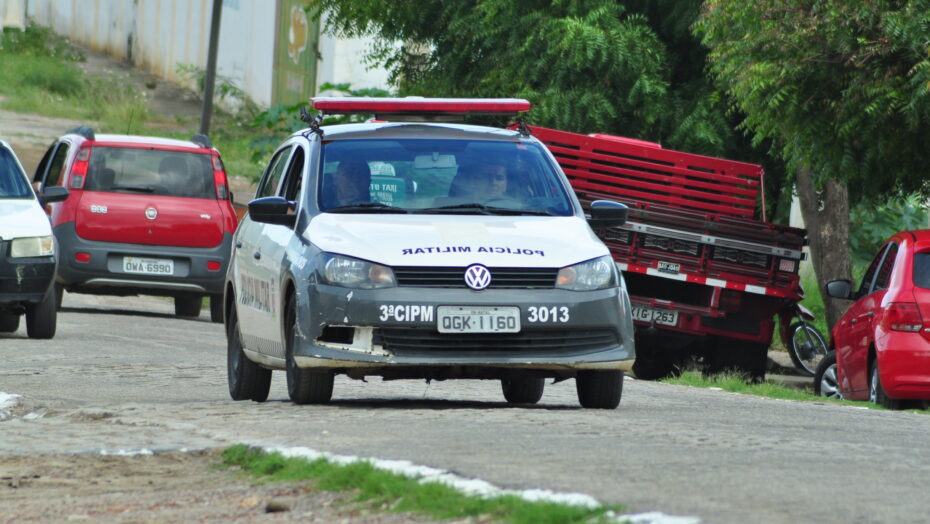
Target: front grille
501 277
400 340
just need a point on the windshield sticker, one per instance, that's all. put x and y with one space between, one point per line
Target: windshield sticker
406 313
468 249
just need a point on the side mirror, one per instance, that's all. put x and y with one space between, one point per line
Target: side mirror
272 210
607 213
53 194
839 289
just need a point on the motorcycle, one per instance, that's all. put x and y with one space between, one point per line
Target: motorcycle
805 344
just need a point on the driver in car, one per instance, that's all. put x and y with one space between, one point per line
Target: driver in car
349 184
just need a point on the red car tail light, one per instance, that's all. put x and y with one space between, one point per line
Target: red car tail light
213 265
82 257
79 169
902 316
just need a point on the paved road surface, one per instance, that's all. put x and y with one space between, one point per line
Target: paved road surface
122 373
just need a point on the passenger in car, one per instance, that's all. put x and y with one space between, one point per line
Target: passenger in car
349 184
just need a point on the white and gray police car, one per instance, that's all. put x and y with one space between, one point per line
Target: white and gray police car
412 247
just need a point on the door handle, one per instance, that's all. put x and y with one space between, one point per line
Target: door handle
257 255
238 244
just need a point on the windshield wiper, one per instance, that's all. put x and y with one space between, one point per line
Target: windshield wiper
367 207
140 189
482 209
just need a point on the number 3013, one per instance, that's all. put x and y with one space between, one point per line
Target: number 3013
547 314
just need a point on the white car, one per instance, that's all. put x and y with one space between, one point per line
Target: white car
28 251
421 249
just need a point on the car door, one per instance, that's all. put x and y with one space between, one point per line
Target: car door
255 306
271 250
855 333
50 171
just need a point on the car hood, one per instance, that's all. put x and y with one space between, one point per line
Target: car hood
456 240
22 217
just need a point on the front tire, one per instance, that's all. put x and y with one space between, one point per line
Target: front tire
825 379
806 347
877 393
247 380
599 389
188 307
304 386
525 390
42 318
9 322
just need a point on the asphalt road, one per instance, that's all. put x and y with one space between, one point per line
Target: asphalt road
122 373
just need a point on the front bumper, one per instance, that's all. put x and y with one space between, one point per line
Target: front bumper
103 274
396 328
24 280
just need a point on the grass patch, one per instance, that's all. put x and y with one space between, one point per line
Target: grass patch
390 492
736 384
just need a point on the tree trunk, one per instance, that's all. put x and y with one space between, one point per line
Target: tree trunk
826 216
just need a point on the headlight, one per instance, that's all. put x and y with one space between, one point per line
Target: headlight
32 247
352 272
599 273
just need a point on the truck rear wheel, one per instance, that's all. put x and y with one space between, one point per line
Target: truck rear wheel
524 390
654 368
729 355
9 322
599 389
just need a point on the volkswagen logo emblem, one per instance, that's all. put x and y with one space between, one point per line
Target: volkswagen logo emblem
477 277
151 213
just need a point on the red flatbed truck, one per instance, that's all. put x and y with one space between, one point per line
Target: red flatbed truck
705 276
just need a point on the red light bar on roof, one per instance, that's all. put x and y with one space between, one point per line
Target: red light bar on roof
415 105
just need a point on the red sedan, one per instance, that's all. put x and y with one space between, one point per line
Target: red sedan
883 340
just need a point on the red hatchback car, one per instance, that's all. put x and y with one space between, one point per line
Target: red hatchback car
882 342
145 216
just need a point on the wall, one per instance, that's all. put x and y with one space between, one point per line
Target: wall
157 35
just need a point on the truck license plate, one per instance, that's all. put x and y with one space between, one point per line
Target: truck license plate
478 319
665 317
148 266
669 267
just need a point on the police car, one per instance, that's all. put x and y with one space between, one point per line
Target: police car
414 246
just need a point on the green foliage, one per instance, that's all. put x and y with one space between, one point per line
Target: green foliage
51 75
280 120
396 493
839 86
631 68
875 222
38 41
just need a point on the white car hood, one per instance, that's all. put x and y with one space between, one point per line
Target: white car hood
457 240
22 217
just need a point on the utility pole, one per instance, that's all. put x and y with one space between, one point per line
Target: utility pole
211 67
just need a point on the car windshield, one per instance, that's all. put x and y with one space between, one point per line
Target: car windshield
441 177
13 183
150 171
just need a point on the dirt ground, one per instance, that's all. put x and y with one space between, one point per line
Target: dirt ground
164 487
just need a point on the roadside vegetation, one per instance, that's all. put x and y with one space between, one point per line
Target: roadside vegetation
384 491
735 383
